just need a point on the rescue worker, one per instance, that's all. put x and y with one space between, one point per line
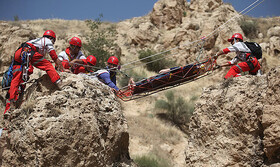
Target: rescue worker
248 61
71 53
108 75
85 63
36 49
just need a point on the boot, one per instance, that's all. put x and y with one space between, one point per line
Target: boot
61 84
9 108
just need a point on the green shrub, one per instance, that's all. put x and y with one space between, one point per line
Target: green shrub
249 27
16 18
99 41
152 63
150 161
178 110
146 161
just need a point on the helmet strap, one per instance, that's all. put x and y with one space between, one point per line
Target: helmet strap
73 47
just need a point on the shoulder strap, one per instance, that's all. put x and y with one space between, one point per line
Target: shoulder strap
67 51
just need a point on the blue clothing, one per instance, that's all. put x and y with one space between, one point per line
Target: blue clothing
109 78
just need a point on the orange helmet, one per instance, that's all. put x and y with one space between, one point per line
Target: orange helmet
113 60
91 60
75 41
236 36
49 33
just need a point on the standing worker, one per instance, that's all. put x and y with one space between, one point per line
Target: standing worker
33 52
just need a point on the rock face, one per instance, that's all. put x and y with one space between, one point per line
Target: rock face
205 5
273 47
168 13
235 123
11 36
271 116
176 24
82 125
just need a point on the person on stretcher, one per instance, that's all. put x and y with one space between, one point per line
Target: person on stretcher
166 77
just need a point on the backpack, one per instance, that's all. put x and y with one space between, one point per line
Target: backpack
7 77
255 49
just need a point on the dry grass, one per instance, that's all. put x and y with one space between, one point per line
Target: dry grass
152 136
29 105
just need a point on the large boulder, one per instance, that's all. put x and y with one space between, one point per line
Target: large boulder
274 41
274 46
81 125
234 123
273 31
271 116
168 13
205 5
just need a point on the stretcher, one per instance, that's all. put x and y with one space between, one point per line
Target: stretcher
175 77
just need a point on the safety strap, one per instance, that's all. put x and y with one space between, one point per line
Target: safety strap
250 64
16 70
239 68
36 62
67 51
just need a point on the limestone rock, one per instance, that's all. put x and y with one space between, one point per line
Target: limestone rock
205 5
271 116
82 125
274 46
274 31
168 13
236 123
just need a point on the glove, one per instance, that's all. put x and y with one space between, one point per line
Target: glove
218 66
215 56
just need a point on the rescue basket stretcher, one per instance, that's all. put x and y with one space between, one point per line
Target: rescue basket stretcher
164 81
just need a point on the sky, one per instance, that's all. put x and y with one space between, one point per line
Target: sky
112 10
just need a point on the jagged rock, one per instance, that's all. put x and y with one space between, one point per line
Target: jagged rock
137 32
168 13
11 36
271 116
265 47
81 125
274 31
233 121
274 47
144 35
260 35
205 5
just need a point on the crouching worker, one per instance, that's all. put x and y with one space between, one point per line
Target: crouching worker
71 54
83 65
108 75
31 53
246 52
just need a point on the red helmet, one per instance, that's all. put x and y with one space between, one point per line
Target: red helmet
236 36
91 60
75 41
49 33
113 60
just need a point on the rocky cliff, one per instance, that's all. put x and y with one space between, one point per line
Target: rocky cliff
236 123
81 125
